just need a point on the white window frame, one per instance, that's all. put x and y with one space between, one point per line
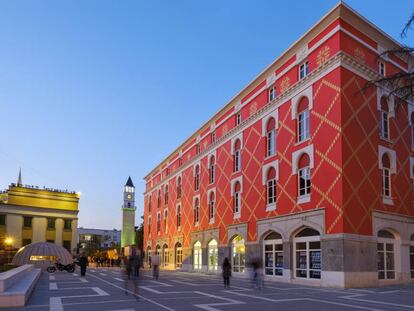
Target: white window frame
212 252
178 216
198 148
213 137
274 255
238 118
240 268
384 242
271 185
212 210
197 178
165 220
197 256
166 195
212 171
179 257
303 70
158 223
385 125
196 211
381 68
303 121
386 177
271 143
237 160
306 240
272 93
307 190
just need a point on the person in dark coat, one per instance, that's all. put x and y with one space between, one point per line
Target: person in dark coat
83 262
137 261
226 268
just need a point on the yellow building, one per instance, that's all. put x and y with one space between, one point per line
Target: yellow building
30 214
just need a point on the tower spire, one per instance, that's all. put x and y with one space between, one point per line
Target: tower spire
19 179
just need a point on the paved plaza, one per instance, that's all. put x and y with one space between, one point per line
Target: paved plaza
104 289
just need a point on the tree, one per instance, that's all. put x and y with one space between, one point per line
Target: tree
400 84
139 235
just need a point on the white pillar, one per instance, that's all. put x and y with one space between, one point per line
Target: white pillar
14 225
74 239
59 231
39 229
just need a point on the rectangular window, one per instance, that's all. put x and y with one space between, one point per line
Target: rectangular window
197 182
67 225
165 220
271 191
158 223
382 69
303 126
386 182
303 70
51 223
178 217
26 242
213 137
149 225
149 203
304 181
386 264
385 130
271 143
236 203
198 148
166 195
272 93
211 211
2 219
212 173
27 222
237 161
196 215
238 118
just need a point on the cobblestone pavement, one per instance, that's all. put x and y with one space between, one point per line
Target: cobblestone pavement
106 290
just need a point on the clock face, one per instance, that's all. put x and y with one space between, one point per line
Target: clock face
129 197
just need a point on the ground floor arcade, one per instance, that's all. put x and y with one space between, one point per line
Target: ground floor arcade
295 249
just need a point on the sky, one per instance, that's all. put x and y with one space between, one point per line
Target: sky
92 92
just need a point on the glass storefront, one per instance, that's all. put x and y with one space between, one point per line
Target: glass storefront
307 251
178 256
197 256
212 255
385 251
238 254
273 254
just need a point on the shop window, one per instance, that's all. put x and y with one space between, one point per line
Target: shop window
178 256
212 256
307 250
197 256
273 254
238 252
386 255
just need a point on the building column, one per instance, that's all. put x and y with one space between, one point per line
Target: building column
14 225
39 225
74 240
287 261
59 231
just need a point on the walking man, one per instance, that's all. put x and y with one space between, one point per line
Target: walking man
226 271
83 262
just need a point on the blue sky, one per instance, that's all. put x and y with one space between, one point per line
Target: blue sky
94 91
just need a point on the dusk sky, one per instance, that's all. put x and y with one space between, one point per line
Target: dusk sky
94 91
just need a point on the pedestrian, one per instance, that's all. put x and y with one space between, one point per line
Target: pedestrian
226 271
131 281
155 262
83 262
137 262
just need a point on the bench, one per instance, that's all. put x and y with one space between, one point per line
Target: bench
17 284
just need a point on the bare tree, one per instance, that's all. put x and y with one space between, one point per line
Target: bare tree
400 84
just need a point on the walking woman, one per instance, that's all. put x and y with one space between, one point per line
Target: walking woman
226 267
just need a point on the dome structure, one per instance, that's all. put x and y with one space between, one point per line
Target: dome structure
36 253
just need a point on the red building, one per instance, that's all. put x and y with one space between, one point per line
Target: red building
301 170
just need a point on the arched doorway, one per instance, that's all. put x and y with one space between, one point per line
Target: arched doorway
238 251
197 256
273 254
165 256
178 256
158 250
386 255
307 254
212 256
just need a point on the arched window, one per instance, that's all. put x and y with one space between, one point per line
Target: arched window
197 178
158 250
179 187
271 186
212 169
307 250
165 220
178 216
236 199
196 211
212 207
386 176
412 129
271 137
166 195
385 126
273 254
178 255
159 199
165 255
212 255
238 251
386 257
304 181
149 203
303 119
158 223
197 256
237 155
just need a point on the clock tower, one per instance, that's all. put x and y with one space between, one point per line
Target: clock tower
128 216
